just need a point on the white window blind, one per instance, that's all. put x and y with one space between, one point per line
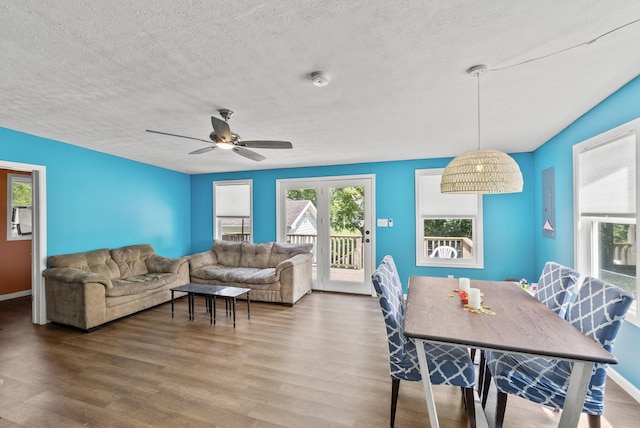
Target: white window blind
232 200
436 204
608 178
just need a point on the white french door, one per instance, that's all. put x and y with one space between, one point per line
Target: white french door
336 215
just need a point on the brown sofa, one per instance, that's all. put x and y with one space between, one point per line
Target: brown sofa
275 272
91 288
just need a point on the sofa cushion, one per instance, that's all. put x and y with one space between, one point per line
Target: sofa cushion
256 255
281 252
96 261
132 260
227 253
159 264
138 284
238 275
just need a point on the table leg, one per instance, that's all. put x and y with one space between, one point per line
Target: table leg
191 307
171 303
209 299
578 384
233 306
214 309
248 305
426 383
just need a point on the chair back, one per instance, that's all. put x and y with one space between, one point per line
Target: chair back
556 286
388 286
445 252
598 312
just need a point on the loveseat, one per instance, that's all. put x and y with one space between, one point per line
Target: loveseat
275 272
91 288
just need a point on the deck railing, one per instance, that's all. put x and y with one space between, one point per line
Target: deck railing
463 245
345 250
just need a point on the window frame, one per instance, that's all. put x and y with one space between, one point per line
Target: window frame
586 235
475 262
11 179
217 232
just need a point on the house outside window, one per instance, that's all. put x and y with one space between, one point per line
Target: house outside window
19 207
232 210
448 226
605 205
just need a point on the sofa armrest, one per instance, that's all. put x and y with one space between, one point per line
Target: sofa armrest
159 264
77 276
206 258
295 277
75 297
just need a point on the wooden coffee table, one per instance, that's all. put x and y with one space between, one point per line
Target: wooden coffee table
210 292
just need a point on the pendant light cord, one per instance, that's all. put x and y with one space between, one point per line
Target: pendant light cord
478 77
567 49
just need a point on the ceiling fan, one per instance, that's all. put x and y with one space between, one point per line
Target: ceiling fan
223 138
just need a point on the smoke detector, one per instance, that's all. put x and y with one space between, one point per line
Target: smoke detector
320 78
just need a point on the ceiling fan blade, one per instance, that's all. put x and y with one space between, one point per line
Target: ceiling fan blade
176 135
203 150
248 154
221 129
266 144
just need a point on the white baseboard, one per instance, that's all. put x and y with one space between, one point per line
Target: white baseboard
15 295
624 384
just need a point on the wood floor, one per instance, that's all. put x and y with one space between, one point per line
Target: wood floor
322 363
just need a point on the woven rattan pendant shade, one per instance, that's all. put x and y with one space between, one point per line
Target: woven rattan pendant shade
482 171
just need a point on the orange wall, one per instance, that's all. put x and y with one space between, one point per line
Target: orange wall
15 256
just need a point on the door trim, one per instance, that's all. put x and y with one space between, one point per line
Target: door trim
39 237
280 208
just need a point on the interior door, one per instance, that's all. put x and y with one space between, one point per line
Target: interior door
336 215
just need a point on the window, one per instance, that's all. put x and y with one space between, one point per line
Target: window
232 211
605 205
448 226
19 206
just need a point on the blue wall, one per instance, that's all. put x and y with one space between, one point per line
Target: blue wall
508 219
621 107
96 200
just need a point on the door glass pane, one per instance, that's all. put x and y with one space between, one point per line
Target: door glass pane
301 216
346 206
617 255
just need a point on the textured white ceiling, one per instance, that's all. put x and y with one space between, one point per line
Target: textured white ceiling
97 74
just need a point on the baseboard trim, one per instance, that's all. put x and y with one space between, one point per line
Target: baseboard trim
624 384
15 295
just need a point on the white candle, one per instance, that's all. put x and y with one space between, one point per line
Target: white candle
474 298
464 284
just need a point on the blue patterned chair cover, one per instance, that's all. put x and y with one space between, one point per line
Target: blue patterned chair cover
598 312
556 287
447 364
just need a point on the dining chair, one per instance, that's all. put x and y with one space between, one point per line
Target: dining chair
598 312
556 288
448 365
445 252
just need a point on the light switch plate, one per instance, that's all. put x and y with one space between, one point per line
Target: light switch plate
383 222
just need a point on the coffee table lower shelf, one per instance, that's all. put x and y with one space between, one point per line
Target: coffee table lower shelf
210 293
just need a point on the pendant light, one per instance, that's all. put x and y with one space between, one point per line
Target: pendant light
481 171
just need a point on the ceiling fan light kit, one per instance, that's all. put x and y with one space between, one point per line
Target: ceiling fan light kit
223 138
481 171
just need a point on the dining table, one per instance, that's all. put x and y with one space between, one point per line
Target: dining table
512 321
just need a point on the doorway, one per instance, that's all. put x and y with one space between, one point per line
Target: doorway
336 215
39 236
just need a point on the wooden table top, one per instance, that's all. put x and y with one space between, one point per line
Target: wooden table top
522 324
